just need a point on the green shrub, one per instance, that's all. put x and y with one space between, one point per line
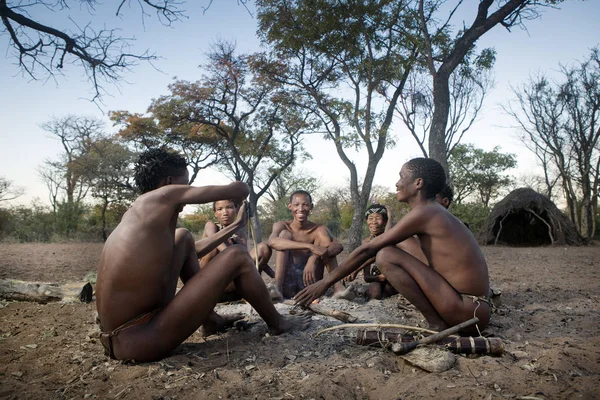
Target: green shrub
474 214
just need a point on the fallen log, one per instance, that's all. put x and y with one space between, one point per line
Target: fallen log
45 292
329 312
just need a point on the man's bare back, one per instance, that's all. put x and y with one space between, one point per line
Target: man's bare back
141 316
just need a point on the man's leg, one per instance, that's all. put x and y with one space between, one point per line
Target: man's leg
387 290
374 291
433 296
195 301
339 290
283 268
264 255
185 265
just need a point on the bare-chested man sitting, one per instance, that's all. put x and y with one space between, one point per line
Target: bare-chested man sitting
454 287
304 249
140 315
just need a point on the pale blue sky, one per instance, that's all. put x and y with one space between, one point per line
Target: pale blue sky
559 36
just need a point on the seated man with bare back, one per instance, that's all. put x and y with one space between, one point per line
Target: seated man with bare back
303 250
141 316
454 285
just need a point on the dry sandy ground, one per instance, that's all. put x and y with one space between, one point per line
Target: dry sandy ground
549 321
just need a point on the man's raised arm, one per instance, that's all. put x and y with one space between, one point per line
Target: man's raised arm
184 194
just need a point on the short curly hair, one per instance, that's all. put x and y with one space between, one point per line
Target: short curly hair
156 164
432 173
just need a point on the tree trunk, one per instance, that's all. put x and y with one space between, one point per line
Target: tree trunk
256 227
439 120
104 208
355 233
587 216
43 292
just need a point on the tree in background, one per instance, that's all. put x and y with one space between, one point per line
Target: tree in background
278 195
68 177
481 173
110 168
8 191
196 142
444 54
195 221
341 61
257 124
42 51
560 124
469 84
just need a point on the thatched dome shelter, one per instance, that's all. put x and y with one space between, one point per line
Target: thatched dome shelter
527 218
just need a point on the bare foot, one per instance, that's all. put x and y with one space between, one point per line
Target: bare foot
219 323
298 322
347 294
274 293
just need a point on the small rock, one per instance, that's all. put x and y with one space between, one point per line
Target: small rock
519 355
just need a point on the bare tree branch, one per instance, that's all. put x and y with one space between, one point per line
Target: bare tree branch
43 51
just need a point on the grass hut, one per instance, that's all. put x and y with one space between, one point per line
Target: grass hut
527 218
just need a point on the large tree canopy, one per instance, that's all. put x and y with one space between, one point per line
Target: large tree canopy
252 125
346 64
443 54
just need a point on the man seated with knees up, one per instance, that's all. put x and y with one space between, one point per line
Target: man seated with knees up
303 250
454 285
141 316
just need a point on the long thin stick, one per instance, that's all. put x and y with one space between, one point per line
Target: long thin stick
255 245
403 348
398 326
329 312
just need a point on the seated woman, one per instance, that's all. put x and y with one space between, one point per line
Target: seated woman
378 219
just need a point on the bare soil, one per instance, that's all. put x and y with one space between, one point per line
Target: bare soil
549 321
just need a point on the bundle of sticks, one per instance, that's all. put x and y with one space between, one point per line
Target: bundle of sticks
404 343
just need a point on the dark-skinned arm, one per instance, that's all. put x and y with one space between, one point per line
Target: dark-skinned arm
409 225
205 246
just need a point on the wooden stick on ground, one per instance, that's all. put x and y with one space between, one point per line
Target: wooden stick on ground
376 326
403 348
329 312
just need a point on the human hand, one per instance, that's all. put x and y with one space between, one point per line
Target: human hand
309 275
351 277
319 250
310 293
242 216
